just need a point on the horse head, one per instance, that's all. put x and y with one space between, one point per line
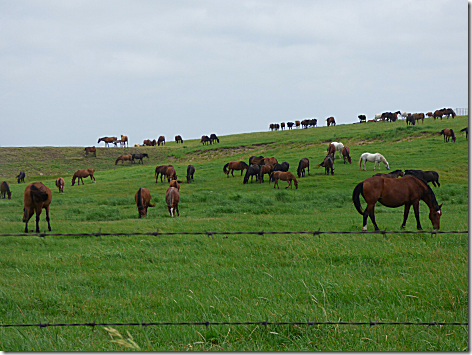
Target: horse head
435 216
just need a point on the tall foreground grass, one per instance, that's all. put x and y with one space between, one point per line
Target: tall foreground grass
228 278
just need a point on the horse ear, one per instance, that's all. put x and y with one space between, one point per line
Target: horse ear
440 206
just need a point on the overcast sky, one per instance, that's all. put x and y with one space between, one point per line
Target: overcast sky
73 71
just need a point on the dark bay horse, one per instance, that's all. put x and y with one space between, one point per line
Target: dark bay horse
428 176
190 172
234 165
256 160
284 176
327 164
60 184
91 150
304 163
172 201
331 149
178 139
330 121
5 189
393 175
345 152
80 174
448 133
160 169
410 120
21 176
107 140
161 140
205 140
149 143
170 173
393 193
143 201
139 157
128 157
214 138
466 130
37 196
252 171
265 169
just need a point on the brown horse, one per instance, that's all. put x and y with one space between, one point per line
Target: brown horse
124 140
234 165
393 175
175 183
143 201
393 193
172 200
265 169
161 140
91 150
170 173
282 126
160 169
205 140
271 161
438 113
297 124
331 149
304 163
448 133
37 197
80 174
284 176
123 158
255 160
190 172
107 140
178 139
345 152
429 114
327 164
419 116
5 189
330 121
60 184
149 143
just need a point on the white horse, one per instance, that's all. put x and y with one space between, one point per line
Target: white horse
339 147
378 116
373 158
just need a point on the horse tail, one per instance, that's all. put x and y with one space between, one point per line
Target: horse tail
225 168
140 200
355 197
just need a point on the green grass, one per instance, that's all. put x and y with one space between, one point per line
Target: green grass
238 278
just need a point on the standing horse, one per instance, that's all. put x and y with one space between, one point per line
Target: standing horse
410 120
448 133
143 201
91 150
123 158
304 163
107 140
339 148
37 196
345 152
21 176
234 165
170 173
330 121
362 118
190 172
124 141
140 157
448 112
327 164
60 184
161 140
419 116
160 169
393 175
178 139
252 171
438 113
265 169
466 130
428 176
172 200
278 167
5 189
214 138
285 176
373 158
205 140
297 124
290 125
394 193
331 149
80 174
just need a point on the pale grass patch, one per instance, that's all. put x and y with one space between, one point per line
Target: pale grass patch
126 342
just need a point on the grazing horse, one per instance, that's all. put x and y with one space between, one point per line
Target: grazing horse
327 163
149 143
466 130
448 112
393 175
448 133
265 169
170 173
37 196
278 167
339 148
234 165
410 120
179 139
304 163
419 116
252 171
80 174
429 114
290 125
107 140
428 176
5 189
330 121
143 201
190 172
373 158
140 157
21 176
161 140
91 150
331 149
394 193
345 152
256 160
60 184
205 140
297 124
175 183
362 118
284 176
172 200
438 113
214 138
271 161
123 158
160 169
390 116
124 141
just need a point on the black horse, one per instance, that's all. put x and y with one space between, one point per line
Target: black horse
466 130
427 176
410 120
140 156
190 172
21 176
362 118
214 138
252 171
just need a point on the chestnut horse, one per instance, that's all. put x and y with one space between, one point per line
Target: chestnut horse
37 197
393 193
284 176
160 169
5 189
331 149
448 133
190 172
234 165
107 140
330 121
345 152
80 174
60 184
304 163
143 201
124 140
123 158
175 183
265 169
161 140
91 150
170 173
179 139
172 200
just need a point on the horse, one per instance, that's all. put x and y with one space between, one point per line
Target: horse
172 200
179 139
282 126
428 176
304 163
149 143
234 165
278 167
404 114
271 161
410 120
60 184
5 189
339 148
139 157
107 140
123 158
21 176
91 150
252 171
124 141
297 124
393 175
255 160
438 113
190 172
37 196
389 116
80 174
377 116
393 193
161 140
448 133
327 164
284 176
272 126
205 140
429 114
448 112
362 118
290 125
373 158
214 138
466 130
265 169
419 116
330 121
175 183
331 149
305 123
160 169
345 152
143 201
170 173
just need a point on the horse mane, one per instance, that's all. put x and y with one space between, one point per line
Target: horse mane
452 133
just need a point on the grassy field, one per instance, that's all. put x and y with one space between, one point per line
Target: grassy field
238 278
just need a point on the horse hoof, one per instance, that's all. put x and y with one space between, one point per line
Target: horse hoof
364 228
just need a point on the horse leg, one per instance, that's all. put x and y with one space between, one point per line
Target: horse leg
416 208
177 209
369 211
38 211
405 214
47 218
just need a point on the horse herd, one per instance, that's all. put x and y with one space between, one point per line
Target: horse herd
330 121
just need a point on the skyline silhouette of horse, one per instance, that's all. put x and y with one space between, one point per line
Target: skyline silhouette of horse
80 174
205 140
160 169
330 121
107 140
143 201
36 197
178 139
214 138
234 165
5 189
124 141
161 140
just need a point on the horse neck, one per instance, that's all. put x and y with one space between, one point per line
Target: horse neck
429 198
